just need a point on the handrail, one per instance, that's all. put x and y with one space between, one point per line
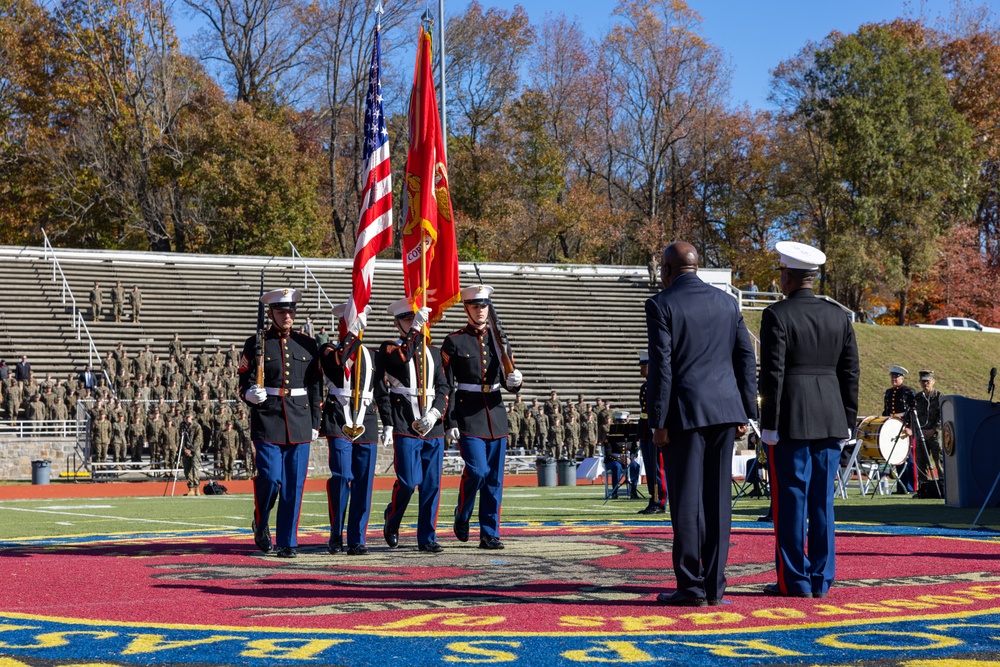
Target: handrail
307 274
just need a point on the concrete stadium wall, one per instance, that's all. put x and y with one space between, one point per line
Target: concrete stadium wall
16 455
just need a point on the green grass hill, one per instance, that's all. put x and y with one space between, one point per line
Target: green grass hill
961 360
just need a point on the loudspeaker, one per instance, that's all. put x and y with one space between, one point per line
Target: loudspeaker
970 446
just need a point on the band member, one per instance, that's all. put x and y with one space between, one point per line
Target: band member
898 400
284 419
809 403
413 426
928 406
351 429
656 482
472 360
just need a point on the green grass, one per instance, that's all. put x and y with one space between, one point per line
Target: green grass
961 360
21 519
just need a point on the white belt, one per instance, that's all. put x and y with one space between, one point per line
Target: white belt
409 391
284 391
483 388
349 393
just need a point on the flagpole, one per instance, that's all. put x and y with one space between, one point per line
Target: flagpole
429 22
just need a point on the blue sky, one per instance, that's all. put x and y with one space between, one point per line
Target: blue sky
755 35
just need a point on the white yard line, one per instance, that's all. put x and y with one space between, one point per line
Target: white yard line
122 518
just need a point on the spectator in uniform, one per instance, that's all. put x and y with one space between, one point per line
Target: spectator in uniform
472 361
96 303
192 438
413 427
701 392
896 402
117 301
100 437
542 429
656 481
169 441
175 348
284 419
928 403
135 302
227 444
136 437
352 435
809 402
588 434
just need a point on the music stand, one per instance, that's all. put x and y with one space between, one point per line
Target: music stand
619 433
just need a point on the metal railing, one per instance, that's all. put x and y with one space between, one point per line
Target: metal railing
43 428
308 275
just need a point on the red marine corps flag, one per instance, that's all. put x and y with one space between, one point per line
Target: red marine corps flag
375 222
430 256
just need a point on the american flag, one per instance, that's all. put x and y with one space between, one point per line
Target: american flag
375 222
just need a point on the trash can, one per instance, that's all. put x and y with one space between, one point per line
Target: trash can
567 472
40 472
547 471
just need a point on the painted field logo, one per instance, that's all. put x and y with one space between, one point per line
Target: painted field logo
559 594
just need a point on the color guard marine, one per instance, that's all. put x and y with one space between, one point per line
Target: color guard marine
412 398
284 418
473 359
350 425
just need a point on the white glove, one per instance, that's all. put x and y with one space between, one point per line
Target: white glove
769 437
315 434
514 378
420 318
426 423
453 434
387 436
360 322
256 395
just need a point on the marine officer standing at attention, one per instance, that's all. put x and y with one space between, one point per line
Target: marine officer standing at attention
284 419
351 429
472 358
414 427
809 403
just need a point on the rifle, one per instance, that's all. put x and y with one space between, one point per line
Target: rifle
506 353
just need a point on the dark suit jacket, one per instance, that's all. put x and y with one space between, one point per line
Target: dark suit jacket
22 371
701 363
808 369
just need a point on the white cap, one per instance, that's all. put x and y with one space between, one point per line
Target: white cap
898 370
282 299
400 307
620 414
476 294
643 357
338 310
795 255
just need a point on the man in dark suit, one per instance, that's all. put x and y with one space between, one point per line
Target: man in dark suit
809 403
22 370
701 391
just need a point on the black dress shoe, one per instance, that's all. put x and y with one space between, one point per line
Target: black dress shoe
679 599
431 548
461 530
714 602
287 552
658 509
262 537
775 589
390 533
765 519
490 543
335 546
648 509
360 550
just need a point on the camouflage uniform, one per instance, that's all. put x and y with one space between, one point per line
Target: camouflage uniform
118 301
191 454
119 438
227 444
100 438
169 441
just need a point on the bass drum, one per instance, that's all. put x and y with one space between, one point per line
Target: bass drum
881 439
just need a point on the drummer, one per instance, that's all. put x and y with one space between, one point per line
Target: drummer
898 400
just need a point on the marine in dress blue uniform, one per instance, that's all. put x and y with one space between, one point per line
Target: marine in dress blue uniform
809 403
351 435
702 389
413 426
656 481
477 417
284 419
898 400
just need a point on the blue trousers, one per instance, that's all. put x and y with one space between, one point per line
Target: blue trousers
483 475
281 474
656 480
418 463
616 469
802 487
352 471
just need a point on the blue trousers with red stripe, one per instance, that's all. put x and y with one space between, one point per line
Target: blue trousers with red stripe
352 471
656 481
802 488
281 474
483 475
418 463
